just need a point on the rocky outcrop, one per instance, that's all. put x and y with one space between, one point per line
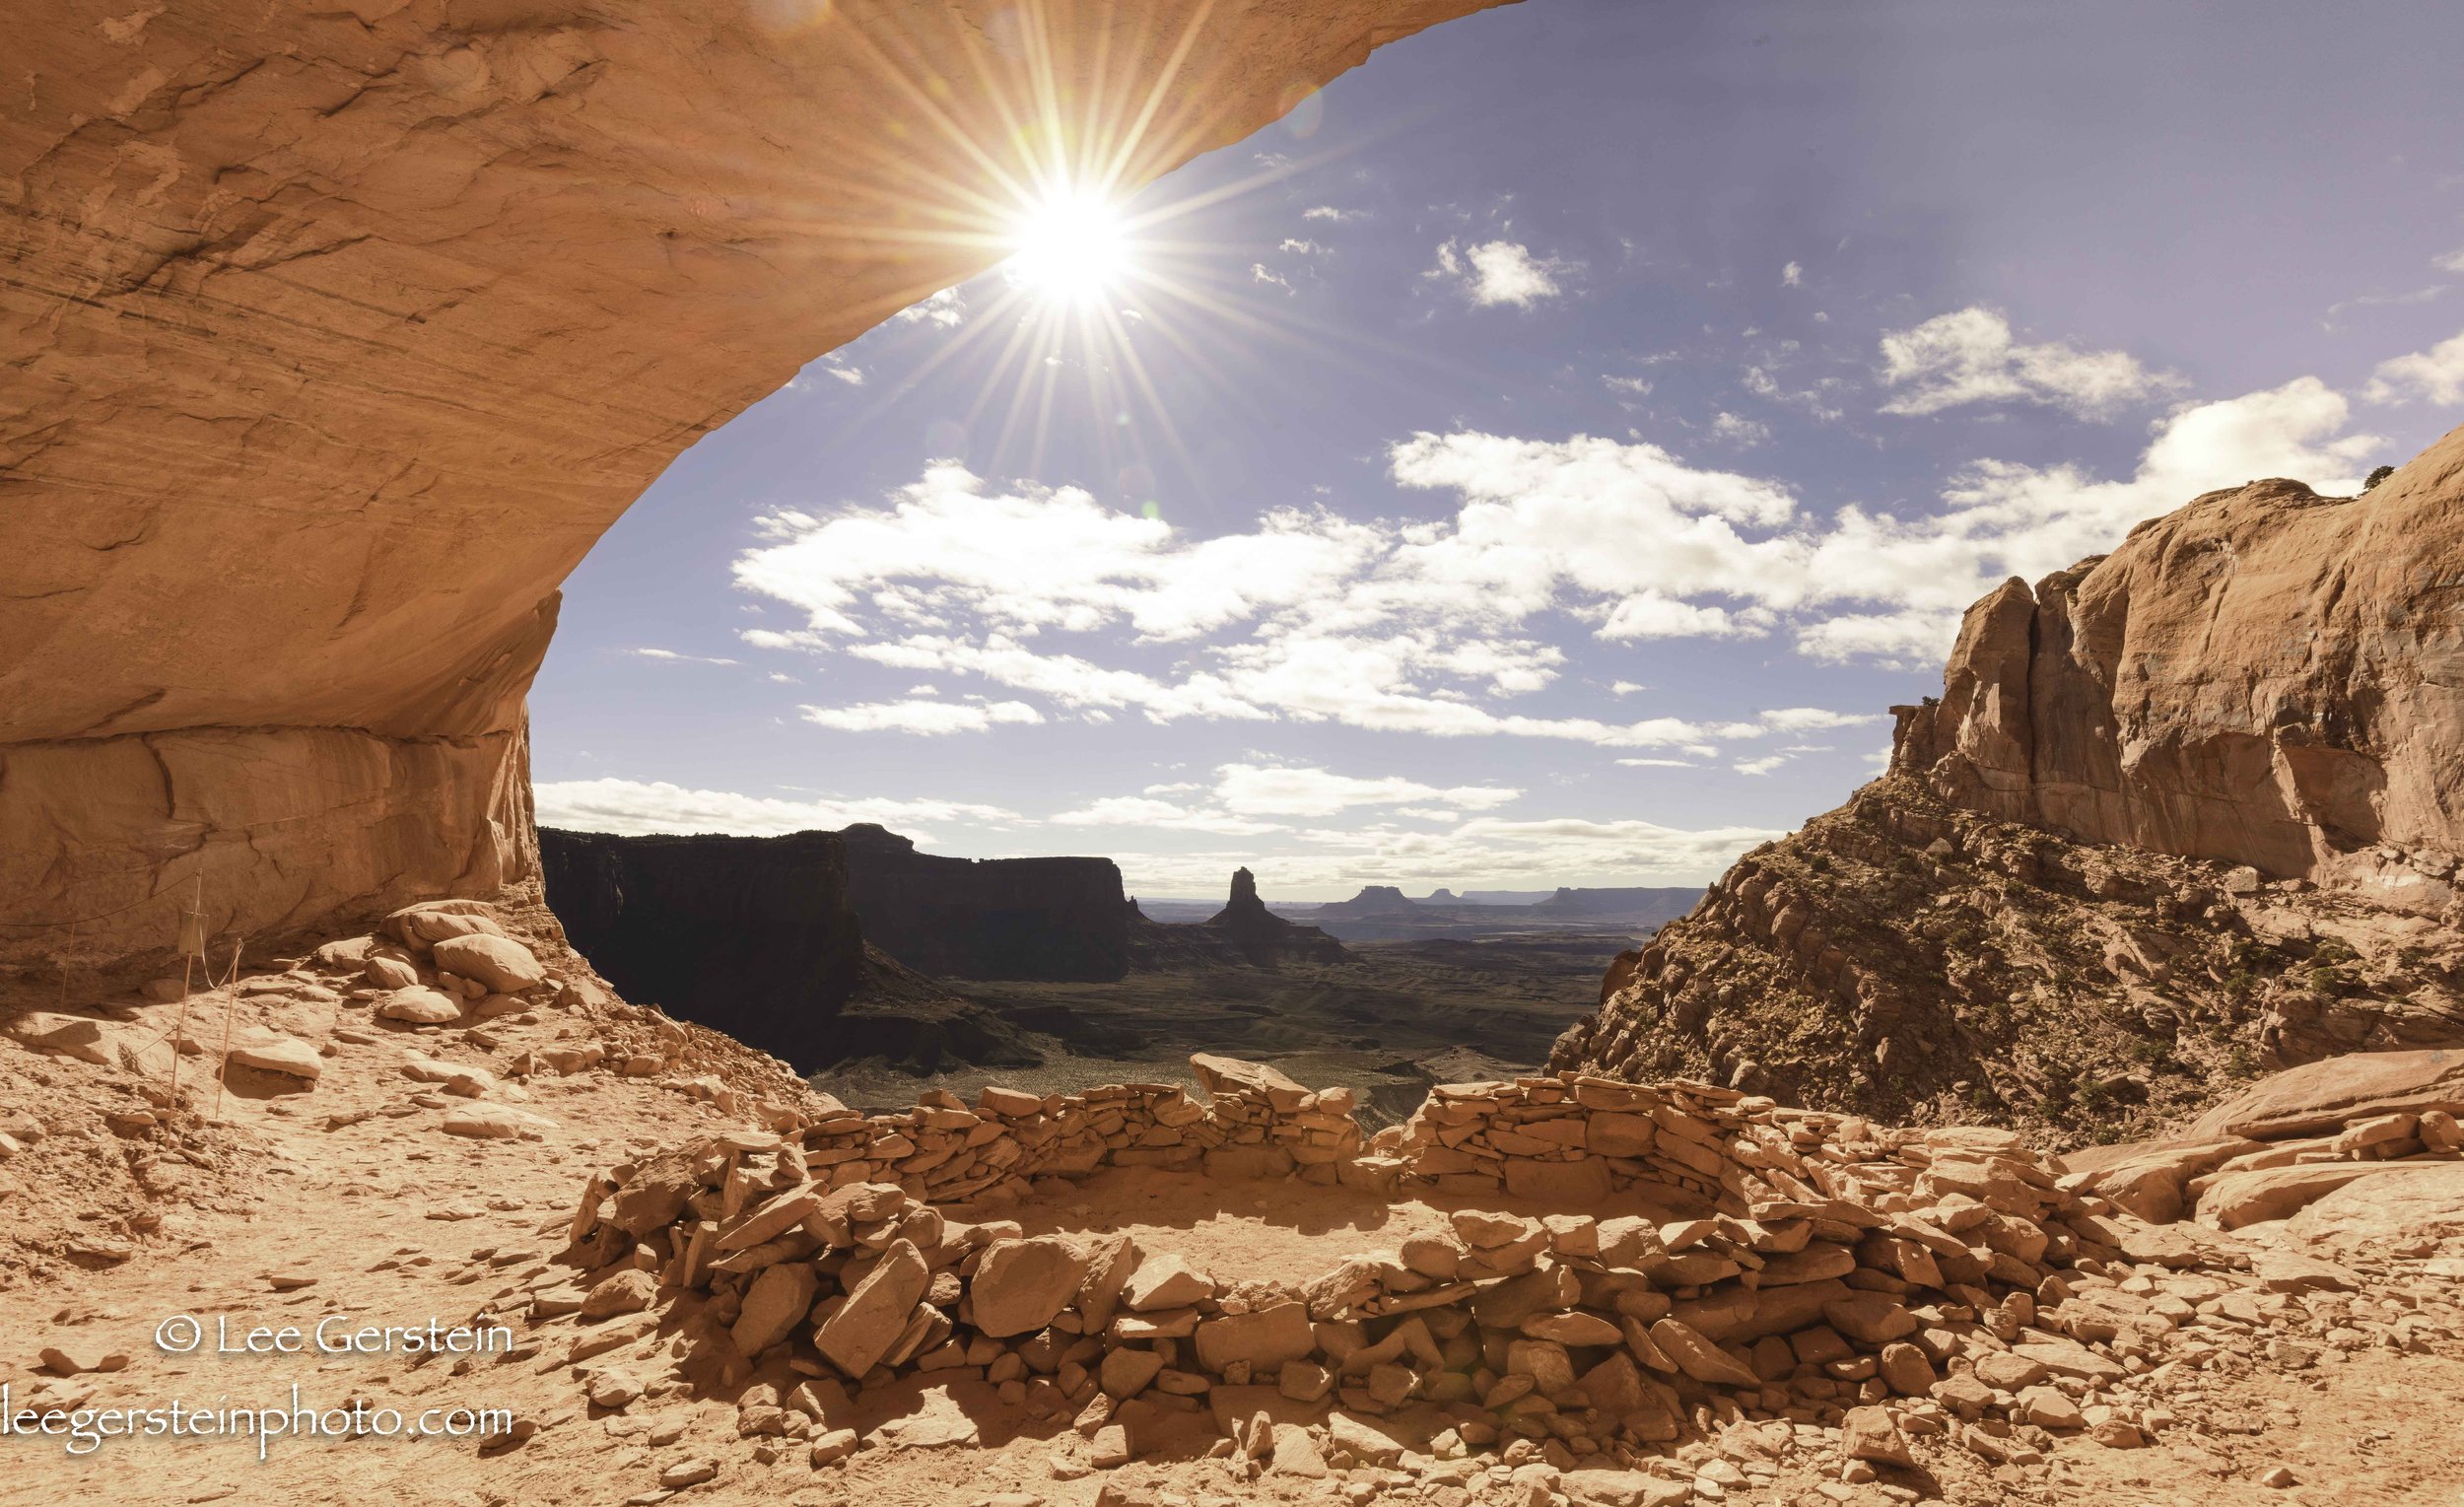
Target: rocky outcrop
2264 677
1903 956
2294 1140
1060 919
2182 813
337 337
1244 934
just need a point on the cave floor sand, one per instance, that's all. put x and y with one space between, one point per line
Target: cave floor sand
396 1223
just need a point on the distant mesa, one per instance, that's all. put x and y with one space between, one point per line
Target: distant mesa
1384 912
1373 900
1657 904
1059 920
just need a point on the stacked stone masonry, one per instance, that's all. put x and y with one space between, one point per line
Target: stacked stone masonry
1795 1269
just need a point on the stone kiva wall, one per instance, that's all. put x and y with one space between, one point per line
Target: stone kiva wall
1678 1258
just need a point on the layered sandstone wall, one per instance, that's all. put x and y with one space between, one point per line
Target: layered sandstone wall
2265 676
337 337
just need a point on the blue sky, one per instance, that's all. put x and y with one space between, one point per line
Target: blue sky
1541 458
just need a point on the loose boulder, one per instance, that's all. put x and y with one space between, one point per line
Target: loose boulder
1021 1284
504 965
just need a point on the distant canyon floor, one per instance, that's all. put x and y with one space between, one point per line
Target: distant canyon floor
1389 1021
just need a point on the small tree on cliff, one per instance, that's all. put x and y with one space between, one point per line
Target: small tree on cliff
2378 476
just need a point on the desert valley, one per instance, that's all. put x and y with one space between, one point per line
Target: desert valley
2070 1113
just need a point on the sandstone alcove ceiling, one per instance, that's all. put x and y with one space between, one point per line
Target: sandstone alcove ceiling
337 337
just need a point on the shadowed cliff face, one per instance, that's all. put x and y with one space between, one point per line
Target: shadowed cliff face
750 935
338 335
1059 920
817 946
2265 676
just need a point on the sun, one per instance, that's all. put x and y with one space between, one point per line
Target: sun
1070 247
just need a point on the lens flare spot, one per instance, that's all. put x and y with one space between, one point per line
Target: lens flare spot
1072 248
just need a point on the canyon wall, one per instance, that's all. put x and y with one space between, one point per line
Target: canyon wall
2266 677
750 935
1062 919
338 335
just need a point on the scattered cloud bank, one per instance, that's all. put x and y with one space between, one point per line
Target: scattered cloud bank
1244 794
1970 356
671 656
1437 627
1499 272
1162 815
1285 790
2435 376
927 717
1308 617
636 807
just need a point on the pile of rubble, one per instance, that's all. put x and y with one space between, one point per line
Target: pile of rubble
1803 1286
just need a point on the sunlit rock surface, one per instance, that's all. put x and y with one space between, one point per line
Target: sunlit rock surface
2266 677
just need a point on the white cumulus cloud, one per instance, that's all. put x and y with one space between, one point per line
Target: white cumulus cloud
671 656
1970 356
2435 376
1285 790
944 309
1499 272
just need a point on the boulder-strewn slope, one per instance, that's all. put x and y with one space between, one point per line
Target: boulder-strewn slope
2184 812
1903 956
338 334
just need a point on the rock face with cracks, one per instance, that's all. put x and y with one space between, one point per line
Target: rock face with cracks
2264 677
339 336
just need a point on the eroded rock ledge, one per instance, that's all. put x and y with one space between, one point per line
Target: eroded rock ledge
339 335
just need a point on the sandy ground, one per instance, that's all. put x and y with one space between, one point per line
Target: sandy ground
385 1220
